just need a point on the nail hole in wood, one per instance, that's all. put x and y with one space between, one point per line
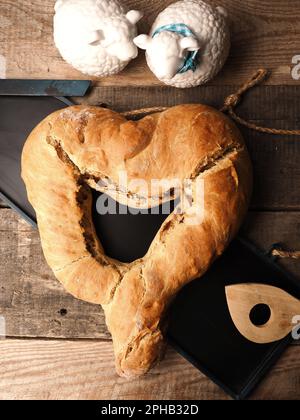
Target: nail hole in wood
63 312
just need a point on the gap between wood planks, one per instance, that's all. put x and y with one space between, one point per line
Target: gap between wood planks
83 340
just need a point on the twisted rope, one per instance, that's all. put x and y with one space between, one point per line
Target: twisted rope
286 254
144 111
230 103
234 99
279 252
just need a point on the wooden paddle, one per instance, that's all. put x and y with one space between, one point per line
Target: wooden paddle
243 298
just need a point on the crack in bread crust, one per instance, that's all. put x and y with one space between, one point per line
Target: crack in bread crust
94 179
69 264
86 223
215 159
80 150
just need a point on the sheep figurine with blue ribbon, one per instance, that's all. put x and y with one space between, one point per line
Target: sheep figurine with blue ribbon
95 36
188 44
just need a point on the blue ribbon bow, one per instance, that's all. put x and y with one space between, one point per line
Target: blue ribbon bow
191 60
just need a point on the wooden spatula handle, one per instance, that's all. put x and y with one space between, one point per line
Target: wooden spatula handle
243 298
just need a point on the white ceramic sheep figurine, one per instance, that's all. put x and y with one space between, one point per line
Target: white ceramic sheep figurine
95 36
188 44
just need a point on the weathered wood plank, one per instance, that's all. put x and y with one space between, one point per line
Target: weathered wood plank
261 103
276 168
264 33
34 303
85 371
282 383
27 282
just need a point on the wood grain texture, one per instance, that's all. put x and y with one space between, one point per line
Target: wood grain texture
242 298
264 33
282 383
27 282
260 103
35 305
62 370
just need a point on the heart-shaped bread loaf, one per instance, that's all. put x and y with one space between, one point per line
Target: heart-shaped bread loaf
80 148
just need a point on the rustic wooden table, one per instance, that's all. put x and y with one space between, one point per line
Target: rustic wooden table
58 347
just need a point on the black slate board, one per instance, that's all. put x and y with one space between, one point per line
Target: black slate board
200 327
18 116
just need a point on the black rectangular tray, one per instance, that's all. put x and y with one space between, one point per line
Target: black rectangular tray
200 327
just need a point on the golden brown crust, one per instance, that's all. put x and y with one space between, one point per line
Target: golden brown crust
81 146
